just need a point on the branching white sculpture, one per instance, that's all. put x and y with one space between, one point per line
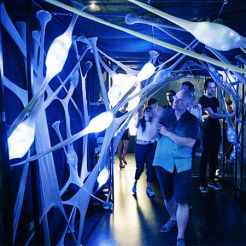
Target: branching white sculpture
34 113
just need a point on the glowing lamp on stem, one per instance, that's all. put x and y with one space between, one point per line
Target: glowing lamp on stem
146 72
58 51
100 122
97 124
214 35
21 139
161 76
102 177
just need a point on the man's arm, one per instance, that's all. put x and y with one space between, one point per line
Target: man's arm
182 141
218 115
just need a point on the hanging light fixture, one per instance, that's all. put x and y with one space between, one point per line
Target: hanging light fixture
146 72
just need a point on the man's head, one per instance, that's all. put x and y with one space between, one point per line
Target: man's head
187 85
169 95
210 87
182 100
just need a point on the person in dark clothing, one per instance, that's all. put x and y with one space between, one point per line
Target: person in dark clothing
124 142
169 96
178 130
211 136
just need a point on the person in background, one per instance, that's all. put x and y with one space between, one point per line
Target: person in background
227 146
124 142
152 102
169 96
178 130
211 136
195 108
144 150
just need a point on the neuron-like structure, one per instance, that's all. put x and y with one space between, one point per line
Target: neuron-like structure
31 125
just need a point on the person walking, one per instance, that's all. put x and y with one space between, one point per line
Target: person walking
144 150
178 130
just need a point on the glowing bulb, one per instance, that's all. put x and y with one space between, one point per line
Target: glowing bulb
100 122
103 177
161 76
114 95
214 35
58 53
146 72
21 139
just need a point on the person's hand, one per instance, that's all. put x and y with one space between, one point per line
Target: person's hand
162 130
205 117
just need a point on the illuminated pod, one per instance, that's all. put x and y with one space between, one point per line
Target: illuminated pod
21 139
58 51
102 177
100 122
214 35
146 72
97 124
231 135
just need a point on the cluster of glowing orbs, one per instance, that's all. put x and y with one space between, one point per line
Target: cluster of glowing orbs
21 139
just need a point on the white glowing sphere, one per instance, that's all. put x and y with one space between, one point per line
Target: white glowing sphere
100 122
114 95
146 72
57 53
20 141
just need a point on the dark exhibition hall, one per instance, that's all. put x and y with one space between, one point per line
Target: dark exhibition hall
122 122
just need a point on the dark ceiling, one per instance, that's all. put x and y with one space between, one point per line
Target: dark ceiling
128 48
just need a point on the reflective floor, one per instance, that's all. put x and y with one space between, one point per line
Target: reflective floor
215 218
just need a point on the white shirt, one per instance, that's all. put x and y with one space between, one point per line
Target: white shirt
143 135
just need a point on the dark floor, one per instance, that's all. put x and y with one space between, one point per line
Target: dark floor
215 218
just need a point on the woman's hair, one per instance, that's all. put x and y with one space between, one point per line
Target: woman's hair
142 121
152 101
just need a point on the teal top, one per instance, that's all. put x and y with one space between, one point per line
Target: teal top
169 154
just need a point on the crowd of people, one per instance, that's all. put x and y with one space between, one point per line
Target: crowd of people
166 140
